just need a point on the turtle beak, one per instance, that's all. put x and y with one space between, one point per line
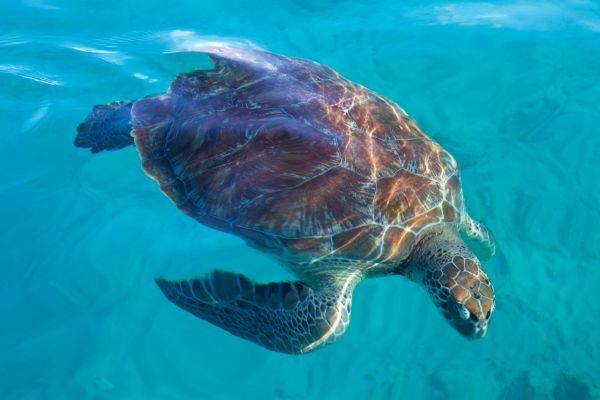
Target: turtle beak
480 330
469 329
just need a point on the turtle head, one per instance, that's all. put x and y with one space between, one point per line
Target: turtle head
464 295
457 284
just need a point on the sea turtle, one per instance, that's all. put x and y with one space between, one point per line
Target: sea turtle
332 179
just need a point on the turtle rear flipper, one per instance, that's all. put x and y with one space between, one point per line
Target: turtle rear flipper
289 317
107 127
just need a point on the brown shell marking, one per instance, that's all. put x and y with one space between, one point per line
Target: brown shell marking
296 159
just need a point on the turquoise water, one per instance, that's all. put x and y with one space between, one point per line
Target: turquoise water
511 89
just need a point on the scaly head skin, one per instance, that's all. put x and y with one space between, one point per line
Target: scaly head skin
454 278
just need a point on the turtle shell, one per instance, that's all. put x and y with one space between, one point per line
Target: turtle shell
295 159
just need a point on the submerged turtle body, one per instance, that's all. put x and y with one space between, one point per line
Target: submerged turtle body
297 160
333 179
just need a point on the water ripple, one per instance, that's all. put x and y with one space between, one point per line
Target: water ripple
111 56
512 15
27 73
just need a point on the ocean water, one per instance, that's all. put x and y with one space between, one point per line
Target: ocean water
510 88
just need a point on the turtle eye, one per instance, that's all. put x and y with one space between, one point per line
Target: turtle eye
463 312
473 317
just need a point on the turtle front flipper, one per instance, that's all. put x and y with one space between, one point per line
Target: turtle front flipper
289 317
483 241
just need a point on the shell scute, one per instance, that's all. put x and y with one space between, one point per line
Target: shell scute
310 246
333 201
378 117
358 242
274 159
370 158
404 196
396 242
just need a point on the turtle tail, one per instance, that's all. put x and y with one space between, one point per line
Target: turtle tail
107 127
